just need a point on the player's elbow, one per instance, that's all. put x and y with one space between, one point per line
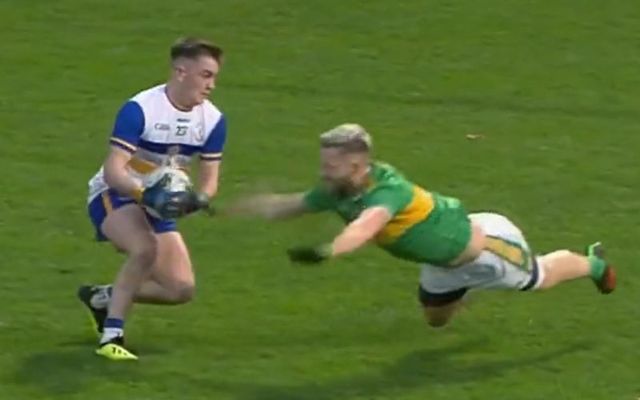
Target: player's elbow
110 177
115 166
113 173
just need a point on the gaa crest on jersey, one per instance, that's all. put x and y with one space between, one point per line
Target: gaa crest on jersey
198 131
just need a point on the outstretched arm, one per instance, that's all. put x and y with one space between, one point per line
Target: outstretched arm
360 231
272 206
355 235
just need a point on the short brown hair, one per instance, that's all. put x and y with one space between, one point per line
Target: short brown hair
192 48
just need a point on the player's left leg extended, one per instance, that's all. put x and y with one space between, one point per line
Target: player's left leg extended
506 263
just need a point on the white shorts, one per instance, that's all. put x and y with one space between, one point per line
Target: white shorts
506 263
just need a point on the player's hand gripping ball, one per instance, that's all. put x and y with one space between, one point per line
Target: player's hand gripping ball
167 193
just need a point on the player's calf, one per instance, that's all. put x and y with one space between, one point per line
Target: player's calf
127 228
561 266
154 292
564 265
135 270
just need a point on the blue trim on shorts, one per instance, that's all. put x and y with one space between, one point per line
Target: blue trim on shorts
110 200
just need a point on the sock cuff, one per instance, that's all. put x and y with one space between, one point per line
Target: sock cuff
597 266
114 323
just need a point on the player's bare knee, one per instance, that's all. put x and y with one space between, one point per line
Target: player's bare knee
186 292
436 318
437 322
547 283
183 292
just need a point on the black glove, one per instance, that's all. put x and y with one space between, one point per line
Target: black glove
197 201
167 205
309 255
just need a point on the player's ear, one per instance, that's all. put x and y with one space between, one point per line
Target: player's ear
182 73
179 71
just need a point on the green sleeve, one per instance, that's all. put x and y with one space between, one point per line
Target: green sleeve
393 198
317 199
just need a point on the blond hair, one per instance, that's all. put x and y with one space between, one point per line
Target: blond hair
352 138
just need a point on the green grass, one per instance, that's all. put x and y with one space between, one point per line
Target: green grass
551 85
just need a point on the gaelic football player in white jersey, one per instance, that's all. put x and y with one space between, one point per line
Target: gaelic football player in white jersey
171 121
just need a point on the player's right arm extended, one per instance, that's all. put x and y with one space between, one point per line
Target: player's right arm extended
116 175
272 206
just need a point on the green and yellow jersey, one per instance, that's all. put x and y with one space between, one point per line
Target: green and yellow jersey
426 227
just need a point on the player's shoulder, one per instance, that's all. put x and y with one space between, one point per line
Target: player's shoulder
149 95
388 183
385 174
213 118
209 107
143 104
211 111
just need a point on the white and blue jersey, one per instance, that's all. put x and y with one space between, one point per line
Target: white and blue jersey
152 130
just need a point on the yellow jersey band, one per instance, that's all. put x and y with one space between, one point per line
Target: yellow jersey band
418 209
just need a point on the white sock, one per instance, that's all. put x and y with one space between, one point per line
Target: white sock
111 333
113 328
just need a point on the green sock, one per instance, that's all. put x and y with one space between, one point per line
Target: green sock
597 265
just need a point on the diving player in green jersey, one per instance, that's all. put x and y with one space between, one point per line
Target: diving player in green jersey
457 251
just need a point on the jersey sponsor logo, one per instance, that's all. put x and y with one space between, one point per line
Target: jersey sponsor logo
159 126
